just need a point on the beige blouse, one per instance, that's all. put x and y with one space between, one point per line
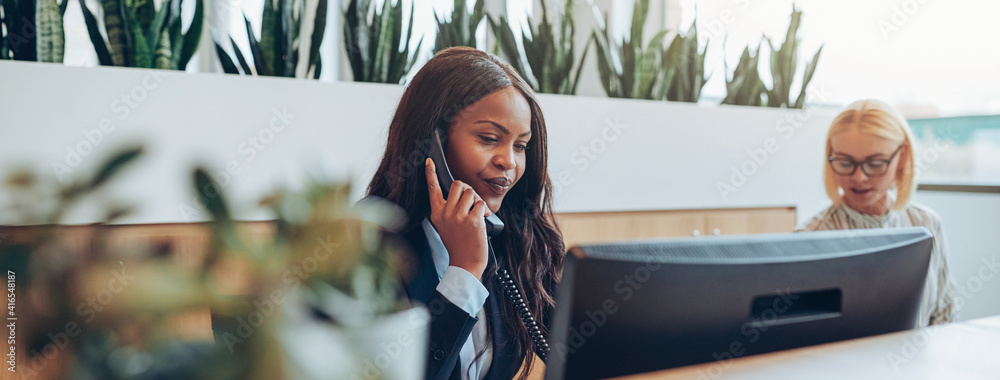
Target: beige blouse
937 304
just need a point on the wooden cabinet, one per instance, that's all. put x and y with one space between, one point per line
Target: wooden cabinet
597 227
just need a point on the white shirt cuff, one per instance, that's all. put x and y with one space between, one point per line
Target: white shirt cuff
463 289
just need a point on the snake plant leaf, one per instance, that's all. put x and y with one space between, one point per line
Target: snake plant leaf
508 45
604 68
784 62
639 12
164 53
460 29
396 35
351 40
193 36
382 43
155 29
318 68
228 66
145 12
240 57
374 47
121 54
255 50
651 61
100 47
285 54
319 28
20 15
143 56
270 29
375 43
112 166
49 31
745 87
806 78
579 68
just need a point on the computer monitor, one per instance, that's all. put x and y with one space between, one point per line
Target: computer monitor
641 306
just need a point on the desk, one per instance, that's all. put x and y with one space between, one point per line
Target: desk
967 350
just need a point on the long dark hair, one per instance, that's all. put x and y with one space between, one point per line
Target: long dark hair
451 81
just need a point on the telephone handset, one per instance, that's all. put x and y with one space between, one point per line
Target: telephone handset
493 227
493 224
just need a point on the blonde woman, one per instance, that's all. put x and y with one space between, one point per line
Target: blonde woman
869 175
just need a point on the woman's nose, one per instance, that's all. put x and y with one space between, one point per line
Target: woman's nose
503 158
859 174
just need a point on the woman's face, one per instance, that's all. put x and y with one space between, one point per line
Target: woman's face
862 192
487 142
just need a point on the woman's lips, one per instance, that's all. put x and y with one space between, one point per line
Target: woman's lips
499 185
858 191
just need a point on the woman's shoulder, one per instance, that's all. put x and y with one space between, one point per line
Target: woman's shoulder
921 215
827 219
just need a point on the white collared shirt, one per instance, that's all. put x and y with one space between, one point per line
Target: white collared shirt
468 293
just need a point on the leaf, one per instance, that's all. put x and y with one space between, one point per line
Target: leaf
113 165
270 29
352 40
144 13
228 66
319 27
142 56
100 47
806 78
211 196
121 54
239 57
193 36
155 31
255 50
579 68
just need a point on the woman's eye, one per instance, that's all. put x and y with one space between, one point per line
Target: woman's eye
876 164
521 147
844 164
488 139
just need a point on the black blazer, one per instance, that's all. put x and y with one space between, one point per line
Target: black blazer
450 326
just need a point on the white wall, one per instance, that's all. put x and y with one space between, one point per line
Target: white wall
605 154
972 228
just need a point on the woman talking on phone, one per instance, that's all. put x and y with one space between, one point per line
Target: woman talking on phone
487 319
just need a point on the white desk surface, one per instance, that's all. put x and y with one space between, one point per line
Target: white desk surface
966 350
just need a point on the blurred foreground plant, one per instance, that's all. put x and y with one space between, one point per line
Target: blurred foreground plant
327 270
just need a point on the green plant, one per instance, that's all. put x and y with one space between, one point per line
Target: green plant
460 29
745 87
141 36
375 46
627 69
685 68
276 53
547 51
31 31
320 247
784 62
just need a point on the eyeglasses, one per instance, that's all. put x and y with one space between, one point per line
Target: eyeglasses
871 168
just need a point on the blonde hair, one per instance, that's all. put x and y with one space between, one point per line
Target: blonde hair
877 118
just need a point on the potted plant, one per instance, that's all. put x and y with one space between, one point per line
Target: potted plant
375 46
276 52
548 51
321 299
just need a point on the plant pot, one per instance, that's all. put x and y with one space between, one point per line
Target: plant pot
392 346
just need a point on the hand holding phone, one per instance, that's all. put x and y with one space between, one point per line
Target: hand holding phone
468 225
460 220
